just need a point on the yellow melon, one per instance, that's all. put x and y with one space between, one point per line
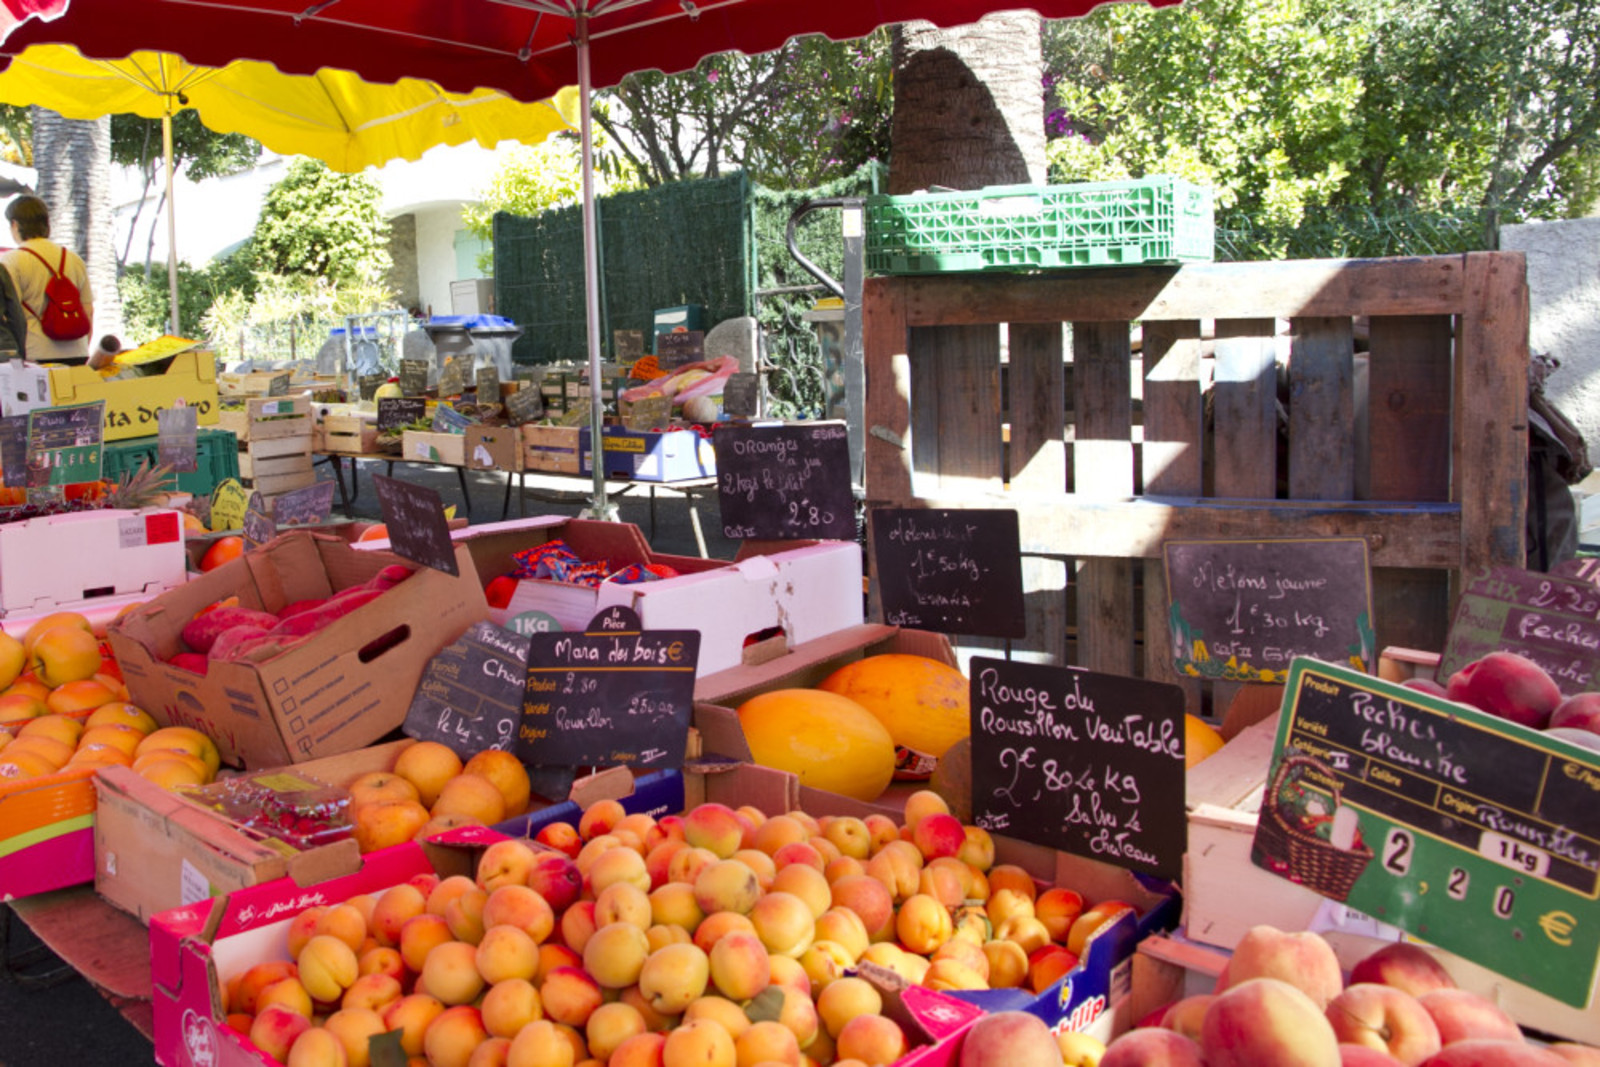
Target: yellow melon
828 741
923 703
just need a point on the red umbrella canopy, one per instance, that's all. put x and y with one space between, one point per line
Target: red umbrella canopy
521 47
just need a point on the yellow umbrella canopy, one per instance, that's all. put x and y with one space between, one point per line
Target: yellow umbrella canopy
332 115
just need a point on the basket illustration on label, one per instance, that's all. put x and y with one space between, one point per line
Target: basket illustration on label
1306 835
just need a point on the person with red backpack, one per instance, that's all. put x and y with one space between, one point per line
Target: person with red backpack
53 285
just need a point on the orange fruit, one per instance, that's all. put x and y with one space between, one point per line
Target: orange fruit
121 713
56 753
124 739
376 532
20 707
64 654
82 695
23 765
174 772
50 622
222 550
28 685
99 756
1200 740
59 727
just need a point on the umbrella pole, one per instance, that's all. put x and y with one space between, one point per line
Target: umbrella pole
172 221
599 508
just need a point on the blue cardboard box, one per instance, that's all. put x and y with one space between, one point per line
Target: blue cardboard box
648 456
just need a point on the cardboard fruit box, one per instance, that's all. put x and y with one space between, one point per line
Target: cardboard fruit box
344 687
92 555
196 948
132 403
805 589
46 832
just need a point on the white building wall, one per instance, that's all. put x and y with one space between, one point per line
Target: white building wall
1564 304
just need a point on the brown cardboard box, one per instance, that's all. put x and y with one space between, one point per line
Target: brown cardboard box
424 447
497 448
344 687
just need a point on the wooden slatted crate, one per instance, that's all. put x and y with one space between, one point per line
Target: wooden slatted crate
275 449
1106 449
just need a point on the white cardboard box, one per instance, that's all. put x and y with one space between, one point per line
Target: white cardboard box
95 554
23 387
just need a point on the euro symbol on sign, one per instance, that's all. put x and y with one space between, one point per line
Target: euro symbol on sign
1558 926
675 651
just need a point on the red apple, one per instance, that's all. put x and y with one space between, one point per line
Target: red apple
1384 1018
1507 685
1462 1016
1405 966
1487 1053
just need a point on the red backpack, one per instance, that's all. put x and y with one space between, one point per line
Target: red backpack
63 318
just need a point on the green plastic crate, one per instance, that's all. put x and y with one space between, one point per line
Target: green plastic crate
1034 227
217 460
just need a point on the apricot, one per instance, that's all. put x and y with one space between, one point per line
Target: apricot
739 964
507 952
450 972
345 922
640 1050
623 902
412 1015
609 1026
275 1029
393 909
726 885
844 999
615 954
464 915
569 995
419 936
428 765
871 1039
327 967
720 1010
373 991
519 906
317 1048
452 1036
355 1027
700 1043
540 1044
766 1042
923 924
783 922
471 795
673 977
384 824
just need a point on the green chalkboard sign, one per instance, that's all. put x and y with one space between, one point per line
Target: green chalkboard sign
1473 833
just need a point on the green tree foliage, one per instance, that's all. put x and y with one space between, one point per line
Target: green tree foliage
145 295
813 111
1321 116
197 151
320 224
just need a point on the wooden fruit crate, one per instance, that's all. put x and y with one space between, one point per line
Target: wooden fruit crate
348 435
262 419
1139 405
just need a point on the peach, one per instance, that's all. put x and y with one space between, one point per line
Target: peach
275 1029
508 775
1264 1021
938 834
570 995
716 926
740 967
384 825
509 1005
372 992
720 1010
923 924
766 1042
519 906
355 1027
673 977
875 1039
726 885
471 795
640 1050
451 1038
395 907
783 922
1461 1015
327 967
506 862
561 836
1152 1048
419 936
615 954
868 897
701 1043
428 765
1185 1015
1058 909
464 915
540 1044
843 1000
1384 1018
1509 686
715 828
600 817
450 973
1486 1052
1405 966
1578 712
556 878
609 1026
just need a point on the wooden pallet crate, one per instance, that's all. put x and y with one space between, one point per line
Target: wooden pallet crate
267 418
348 435
1106 450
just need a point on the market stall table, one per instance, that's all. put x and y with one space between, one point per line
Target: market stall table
693 490
347 495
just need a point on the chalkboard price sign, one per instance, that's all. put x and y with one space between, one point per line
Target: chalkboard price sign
417 527
14 450
304 507
952 571
1477 834
470 696
413 377
397 411
488 384
787 482
675 350
1088 763
740 394
614 695
453 378
367 384
1551 620
1240 611
524 405
259 527
627 346
177 438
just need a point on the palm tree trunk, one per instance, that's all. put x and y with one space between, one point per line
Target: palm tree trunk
968 104
73 159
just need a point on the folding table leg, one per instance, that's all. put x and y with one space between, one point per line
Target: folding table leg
466 497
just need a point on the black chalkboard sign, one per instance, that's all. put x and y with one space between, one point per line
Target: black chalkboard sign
278 384
453 378
304 507
470 696
413 377
952 571
674 350
741 394
524 405
788 482
177 438
488 384
259 527
397 411
14 450
1240 611
417 527
368 384
627 346
1088 763
1551 620
613 695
